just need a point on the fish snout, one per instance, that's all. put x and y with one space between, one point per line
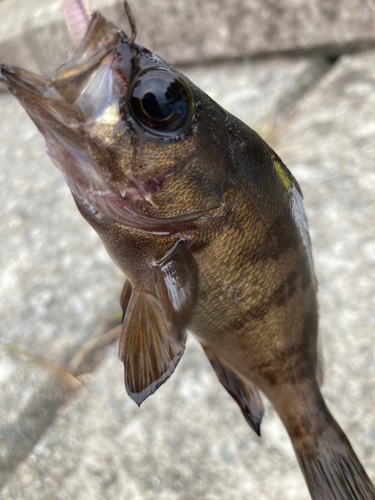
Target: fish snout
20 81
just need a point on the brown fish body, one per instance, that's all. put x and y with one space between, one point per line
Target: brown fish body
256 284
208 226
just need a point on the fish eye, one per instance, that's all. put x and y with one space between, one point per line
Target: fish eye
161 101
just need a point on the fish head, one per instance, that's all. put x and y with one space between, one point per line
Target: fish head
135 139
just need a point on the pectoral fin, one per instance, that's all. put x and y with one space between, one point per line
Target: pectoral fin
149 353
176 278
243 392
153 332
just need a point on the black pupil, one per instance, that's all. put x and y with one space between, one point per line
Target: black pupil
160 105
160 100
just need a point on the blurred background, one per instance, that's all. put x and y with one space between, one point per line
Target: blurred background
302 74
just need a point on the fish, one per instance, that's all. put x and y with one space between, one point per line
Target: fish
208 225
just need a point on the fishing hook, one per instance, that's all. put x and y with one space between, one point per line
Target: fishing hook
131 22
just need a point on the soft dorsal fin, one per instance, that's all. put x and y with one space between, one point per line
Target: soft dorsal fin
153 332
242 391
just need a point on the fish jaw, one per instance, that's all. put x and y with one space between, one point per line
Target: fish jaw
61 125
82 95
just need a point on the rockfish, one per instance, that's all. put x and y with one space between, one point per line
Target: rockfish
208 225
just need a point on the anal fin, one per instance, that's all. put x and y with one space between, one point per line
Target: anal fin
242 391
149 353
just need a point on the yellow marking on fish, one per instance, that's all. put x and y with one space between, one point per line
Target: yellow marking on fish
282 175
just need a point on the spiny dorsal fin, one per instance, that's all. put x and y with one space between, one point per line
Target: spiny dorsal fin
243 392
149 353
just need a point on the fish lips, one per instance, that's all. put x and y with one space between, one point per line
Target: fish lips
79 90
63 126
38 96
63 104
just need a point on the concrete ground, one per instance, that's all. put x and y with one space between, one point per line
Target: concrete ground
58 287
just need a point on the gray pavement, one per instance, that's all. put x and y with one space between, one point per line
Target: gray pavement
33 34
57 283
57 286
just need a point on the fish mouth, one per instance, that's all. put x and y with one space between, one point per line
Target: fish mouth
78 93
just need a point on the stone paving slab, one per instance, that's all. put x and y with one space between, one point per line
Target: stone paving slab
261 93
56 281
189 440
33 34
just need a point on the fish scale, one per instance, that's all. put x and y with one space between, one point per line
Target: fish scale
208 225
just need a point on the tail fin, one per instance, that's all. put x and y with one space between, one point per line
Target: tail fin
331 468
